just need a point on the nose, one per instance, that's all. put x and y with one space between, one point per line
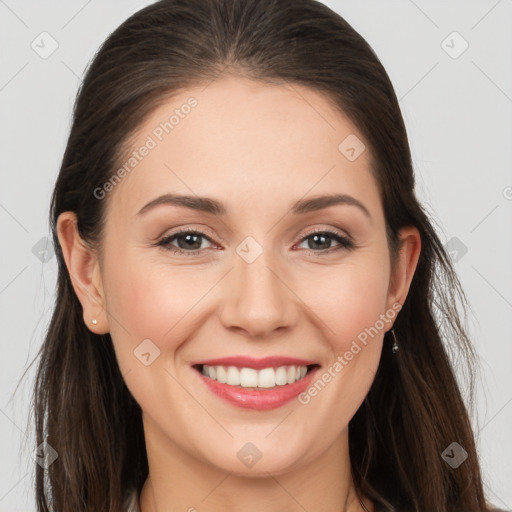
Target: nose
257 298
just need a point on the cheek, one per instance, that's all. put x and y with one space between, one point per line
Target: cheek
349 300
150 300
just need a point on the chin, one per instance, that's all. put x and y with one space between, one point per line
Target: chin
257 458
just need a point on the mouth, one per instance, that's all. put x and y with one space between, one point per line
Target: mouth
255 379
256 383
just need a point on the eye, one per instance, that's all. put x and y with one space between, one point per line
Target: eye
189 242
320 241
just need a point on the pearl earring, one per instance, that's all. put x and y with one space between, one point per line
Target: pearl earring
94 321
394 347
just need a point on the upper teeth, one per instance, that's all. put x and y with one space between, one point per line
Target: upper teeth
249 377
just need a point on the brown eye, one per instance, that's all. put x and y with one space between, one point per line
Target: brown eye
187 242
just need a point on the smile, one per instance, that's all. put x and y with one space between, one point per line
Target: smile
258 384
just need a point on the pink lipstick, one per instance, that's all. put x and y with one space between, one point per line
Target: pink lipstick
258 384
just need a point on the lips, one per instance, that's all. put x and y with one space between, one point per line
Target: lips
257 364
259 384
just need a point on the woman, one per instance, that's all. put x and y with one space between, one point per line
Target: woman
250 295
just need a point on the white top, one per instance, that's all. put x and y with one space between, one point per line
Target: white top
132 502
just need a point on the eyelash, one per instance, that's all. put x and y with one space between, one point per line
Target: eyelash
344 242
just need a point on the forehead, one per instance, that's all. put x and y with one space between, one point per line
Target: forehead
246 142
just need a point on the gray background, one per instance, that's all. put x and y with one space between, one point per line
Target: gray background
457 108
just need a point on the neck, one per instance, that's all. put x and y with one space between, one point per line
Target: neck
179 481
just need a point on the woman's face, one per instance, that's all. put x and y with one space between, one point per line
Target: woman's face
257 282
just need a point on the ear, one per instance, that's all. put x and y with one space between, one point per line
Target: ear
407 260
84 270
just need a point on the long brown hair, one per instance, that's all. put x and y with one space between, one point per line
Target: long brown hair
415 408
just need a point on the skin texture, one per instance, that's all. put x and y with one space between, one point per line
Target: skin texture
257 149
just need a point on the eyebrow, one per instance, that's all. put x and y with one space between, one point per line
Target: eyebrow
209 205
